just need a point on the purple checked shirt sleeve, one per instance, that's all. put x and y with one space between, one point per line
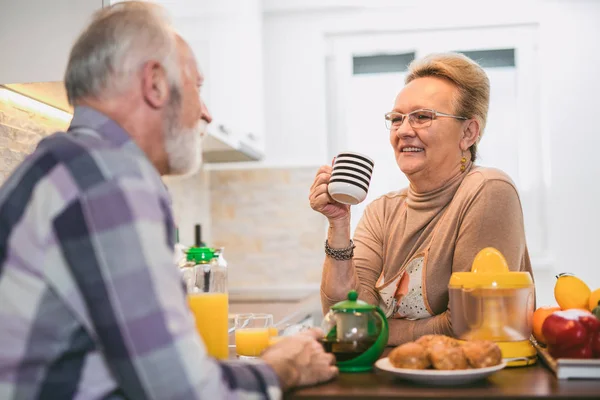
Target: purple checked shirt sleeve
135 299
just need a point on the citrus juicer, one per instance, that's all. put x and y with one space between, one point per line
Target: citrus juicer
493 303
357 333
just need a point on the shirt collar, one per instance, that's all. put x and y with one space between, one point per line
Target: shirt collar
106 128
86 117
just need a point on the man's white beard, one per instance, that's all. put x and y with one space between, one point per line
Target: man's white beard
183 145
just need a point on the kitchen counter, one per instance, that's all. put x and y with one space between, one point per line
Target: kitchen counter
285 312
289 316
535 381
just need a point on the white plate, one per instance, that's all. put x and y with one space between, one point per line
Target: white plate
438 377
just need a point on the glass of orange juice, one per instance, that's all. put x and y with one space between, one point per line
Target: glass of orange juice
273 331
252 334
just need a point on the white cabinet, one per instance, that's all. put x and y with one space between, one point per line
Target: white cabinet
201 8
227 40
36 37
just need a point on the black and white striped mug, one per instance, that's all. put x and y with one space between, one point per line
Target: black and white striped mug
350 177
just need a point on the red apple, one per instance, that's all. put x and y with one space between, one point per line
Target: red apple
572 334
563 329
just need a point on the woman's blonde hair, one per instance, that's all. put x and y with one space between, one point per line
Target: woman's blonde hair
470 79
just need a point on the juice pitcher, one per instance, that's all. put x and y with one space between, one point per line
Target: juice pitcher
206 285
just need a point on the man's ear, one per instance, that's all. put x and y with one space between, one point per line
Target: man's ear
470 134
155 89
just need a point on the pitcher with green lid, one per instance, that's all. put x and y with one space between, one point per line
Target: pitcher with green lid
206 285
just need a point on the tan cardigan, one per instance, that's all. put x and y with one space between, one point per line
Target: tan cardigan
486 211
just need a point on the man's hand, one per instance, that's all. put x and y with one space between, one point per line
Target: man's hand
300 360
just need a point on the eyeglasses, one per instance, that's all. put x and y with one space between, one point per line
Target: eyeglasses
417 119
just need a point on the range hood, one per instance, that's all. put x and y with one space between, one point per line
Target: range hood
219 145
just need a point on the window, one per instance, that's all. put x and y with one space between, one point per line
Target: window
492 58
380 64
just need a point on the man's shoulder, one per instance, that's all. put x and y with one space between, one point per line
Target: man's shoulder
90 160
75 165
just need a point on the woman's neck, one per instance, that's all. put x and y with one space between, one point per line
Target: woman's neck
426 182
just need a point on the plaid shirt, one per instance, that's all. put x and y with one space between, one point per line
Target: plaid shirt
91 306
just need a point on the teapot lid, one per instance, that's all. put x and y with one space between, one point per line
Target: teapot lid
352 304
490 269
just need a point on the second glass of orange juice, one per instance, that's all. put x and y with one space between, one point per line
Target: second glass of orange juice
252 334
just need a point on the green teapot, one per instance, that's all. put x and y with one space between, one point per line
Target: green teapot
356 333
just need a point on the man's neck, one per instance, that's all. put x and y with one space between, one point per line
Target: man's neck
141 126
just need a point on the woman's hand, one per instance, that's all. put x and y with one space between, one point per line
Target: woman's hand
320 200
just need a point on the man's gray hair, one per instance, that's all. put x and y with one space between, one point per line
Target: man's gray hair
117 43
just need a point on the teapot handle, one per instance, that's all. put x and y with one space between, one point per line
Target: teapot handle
382 340
364 362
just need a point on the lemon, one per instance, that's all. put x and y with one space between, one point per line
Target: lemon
571 292
489 260
594 299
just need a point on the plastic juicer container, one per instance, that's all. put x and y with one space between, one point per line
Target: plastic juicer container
493 303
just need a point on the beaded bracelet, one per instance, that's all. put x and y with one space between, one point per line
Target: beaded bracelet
340 254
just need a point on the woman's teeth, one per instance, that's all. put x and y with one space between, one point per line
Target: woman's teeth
411 149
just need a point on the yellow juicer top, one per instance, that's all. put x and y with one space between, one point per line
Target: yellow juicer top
490 270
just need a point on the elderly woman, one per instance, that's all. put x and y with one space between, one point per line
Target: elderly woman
410 241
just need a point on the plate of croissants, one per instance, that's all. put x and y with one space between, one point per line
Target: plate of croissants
442 360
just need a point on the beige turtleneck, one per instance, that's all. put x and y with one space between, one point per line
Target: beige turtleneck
485 212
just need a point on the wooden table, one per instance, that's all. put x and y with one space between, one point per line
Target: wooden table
510 383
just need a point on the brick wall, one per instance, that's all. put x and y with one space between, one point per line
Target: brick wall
190 201
272 237
20 131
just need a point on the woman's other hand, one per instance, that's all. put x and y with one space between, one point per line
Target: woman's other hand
320 200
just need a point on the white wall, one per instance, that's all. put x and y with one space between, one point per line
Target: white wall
295 51
296 107
295 119
36 30
570 55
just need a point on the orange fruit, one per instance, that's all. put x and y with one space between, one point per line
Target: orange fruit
594 299
539 316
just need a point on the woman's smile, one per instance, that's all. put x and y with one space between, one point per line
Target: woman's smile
411 150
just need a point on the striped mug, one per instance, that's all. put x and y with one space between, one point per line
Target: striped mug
350 177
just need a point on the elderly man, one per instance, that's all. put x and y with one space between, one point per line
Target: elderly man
91 306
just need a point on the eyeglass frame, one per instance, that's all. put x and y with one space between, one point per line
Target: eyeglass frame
436 114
